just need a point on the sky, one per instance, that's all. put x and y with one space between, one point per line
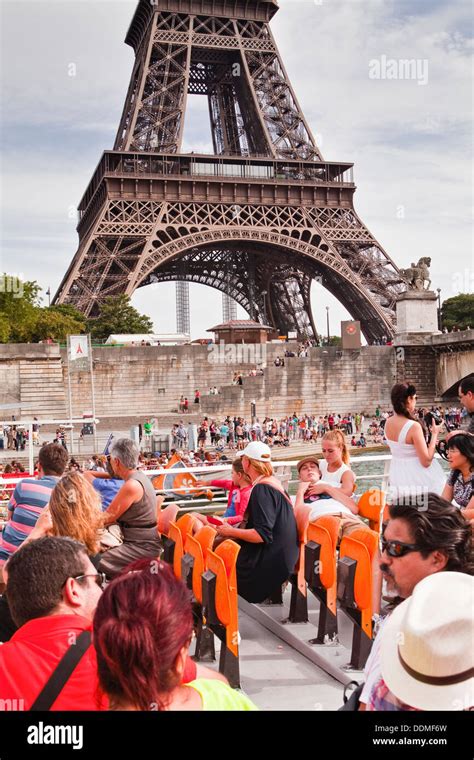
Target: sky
64 74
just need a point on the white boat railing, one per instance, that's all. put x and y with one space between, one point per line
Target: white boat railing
189 504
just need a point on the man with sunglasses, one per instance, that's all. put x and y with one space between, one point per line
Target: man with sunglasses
418 541
53 590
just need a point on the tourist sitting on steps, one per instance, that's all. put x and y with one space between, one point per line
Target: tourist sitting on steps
143 627
269 542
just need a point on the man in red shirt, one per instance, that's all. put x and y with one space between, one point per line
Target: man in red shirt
53 589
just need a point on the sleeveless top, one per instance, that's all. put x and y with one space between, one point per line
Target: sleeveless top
333 478
217 695
401 449
142 513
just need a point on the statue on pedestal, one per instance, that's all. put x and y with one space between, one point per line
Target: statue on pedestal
417 274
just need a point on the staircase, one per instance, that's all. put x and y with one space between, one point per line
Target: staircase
42 388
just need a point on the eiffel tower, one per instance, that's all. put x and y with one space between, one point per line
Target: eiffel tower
260 218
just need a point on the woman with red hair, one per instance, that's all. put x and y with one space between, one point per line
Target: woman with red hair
143 627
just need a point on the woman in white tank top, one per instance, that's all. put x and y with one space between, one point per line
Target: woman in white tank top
413 470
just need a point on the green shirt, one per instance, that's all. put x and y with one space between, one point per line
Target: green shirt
147 427
217 695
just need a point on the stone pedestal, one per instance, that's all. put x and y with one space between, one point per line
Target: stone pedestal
417 314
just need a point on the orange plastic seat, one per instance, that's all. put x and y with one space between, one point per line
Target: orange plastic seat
372 505
178 532
197 547
220 611
356 554
193 565
320 572
299 601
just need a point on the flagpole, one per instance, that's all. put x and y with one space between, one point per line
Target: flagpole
69 391
93 391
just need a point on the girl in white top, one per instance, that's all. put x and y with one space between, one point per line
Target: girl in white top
413 470
337 481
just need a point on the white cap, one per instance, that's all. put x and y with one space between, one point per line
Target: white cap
258 451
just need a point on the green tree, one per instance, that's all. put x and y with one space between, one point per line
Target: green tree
458 311
19 303
4 328
52 322
69 311
118 316
24 320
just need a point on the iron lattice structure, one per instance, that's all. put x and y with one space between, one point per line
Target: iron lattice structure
183 322
229 308
263 213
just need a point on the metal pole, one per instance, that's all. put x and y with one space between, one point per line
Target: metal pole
31 462
70 393
327 318
92 392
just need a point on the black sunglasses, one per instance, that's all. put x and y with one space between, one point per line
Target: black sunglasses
397 548
100 579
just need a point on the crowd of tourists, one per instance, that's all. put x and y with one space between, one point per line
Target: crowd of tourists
83 579
234 432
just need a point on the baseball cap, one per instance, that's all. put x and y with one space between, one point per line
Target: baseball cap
314 459
258 451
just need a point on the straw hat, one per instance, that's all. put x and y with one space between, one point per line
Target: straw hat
427 652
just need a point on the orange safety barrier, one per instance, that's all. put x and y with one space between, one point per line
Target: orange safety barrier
354 589
219 606
372 505
174 543
299 599
320 572
193 565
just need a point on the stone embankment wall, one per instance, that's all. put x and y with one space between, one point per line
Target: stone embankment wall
141 381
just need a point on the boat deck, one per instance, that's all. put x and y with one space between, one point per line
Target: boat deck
280 670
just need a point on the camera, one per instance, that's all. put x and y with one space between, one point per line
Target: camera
433 415
428 419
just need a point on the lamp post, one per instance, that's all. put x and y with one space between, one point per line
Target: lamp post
264 293
438 290
327 320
